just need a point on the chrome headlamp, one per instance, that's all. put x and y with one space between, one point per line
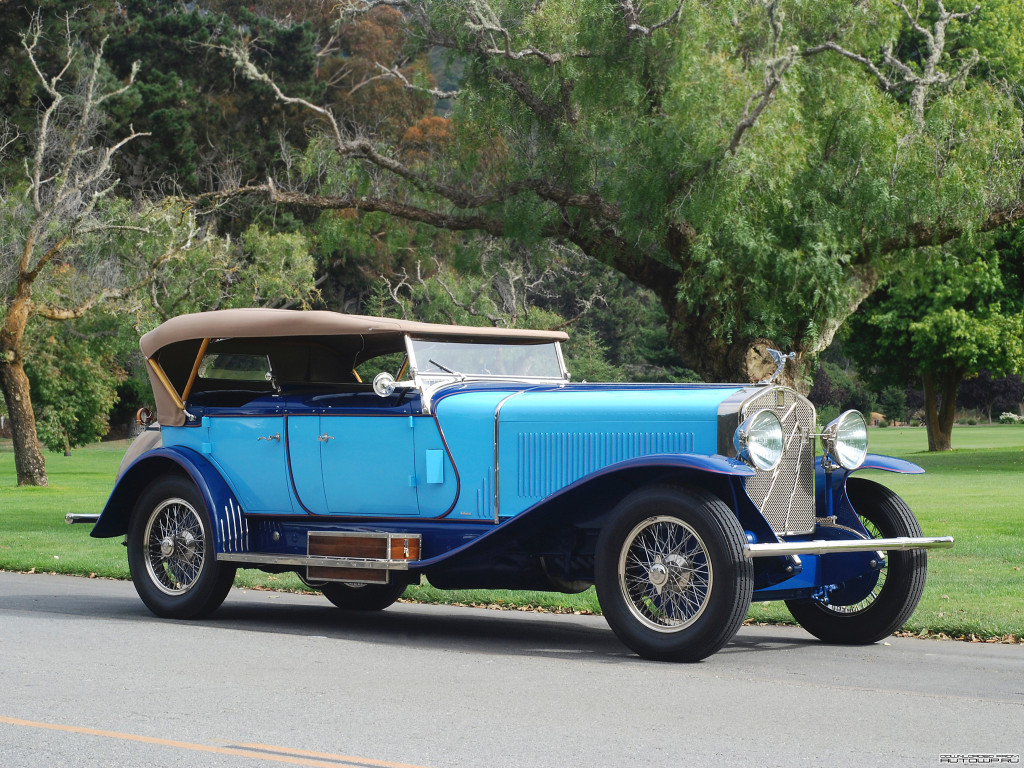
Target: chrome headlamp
845 440
759 441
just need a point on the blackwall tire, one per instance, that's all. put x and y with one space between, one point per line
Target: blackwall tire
900 583
363 597
670 573
171 552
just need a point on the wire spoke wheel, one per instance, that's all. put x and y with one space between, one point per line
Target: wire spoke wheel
363 597
875 613
175 546
665 574
172 553
670 572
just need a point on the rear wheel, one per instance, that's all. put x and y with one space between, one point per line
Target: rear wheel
363 597
171 552
897 590
670 573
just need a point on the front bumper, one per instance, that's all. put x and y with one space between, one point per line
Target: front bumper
821 547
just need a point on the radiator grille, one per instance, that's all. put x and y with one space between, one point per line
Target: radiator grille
785 495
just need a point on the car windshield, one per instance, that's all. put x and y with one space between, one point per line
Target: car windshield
437 358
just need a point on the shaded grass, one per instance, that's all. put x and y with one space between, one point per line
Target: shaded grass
974 493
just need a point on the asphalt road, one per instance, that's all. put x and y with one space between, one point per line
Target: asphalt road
89 678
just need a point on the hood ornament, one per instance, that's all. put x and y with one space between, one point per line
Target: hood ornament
780 363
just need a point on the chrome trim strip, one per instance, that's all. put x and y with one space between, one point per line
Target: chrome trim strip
497 412
561 362
822 547
262 558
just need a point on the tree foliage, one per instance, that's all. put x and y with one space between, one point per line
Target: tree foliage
74 387
71 245
948 320
758 166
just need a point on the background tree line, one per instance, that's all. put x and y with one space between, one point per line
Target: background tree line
683 183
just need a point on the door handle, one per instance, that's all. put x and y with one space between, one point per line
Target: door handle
268 438
325 437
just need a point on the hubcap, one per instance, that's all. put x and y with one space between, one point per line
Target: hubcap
665 574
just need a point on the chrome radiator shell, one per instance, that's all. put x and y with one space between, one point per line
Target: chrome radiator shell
784 495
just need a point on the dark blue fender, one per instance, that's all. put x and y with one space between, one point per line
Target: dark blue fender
839 477
889 464
503 551
853 570
229 525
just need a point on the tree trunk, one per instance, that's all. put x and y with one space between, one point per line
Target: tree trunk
939 416
739 361
28 456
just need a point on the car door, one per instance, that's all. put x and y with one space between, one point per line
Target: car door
348 458
367 464
249 450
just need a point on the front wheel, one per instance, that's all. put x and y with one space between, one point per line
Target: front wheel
897 590
670 573
363 597
171 552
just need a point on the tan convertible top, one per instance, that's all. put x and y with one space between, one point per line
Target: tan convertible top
184 340
261 323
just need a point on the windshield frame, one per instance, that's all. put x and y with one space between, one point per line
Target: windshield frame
428 381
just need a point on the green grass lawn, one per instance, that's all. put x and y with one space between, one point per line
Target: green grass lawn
974 493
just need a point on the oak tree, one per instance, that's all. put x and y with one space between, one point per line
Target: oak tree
759 166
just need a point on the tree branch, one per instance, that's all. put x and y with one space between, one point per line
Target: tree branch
395 73
930 75
920 234
632 17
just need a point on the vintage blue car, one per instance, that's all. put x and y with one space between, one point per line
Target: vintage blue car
366 453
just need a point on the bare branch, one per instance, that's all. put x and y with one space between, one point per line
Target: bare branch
245 65
774 71
930 75
886 83
632 17
468 308
9 136
495 39
397 74
172 250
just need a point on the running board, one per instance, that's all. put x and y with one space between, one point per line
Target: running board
822 547
268 558
365 557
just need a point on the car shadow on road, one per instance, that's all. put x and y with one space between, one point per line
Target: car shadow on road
474 630
470 630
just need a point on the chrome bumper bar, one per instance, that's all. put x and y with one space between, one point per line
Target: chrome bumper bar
73 517
821 547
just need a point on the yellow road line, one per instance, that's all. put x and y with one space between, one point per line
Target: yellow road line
306 753
252 751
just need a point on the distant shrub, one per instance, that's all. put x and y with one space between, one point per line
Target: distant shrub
1010 418
972 422
827 413
883 423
